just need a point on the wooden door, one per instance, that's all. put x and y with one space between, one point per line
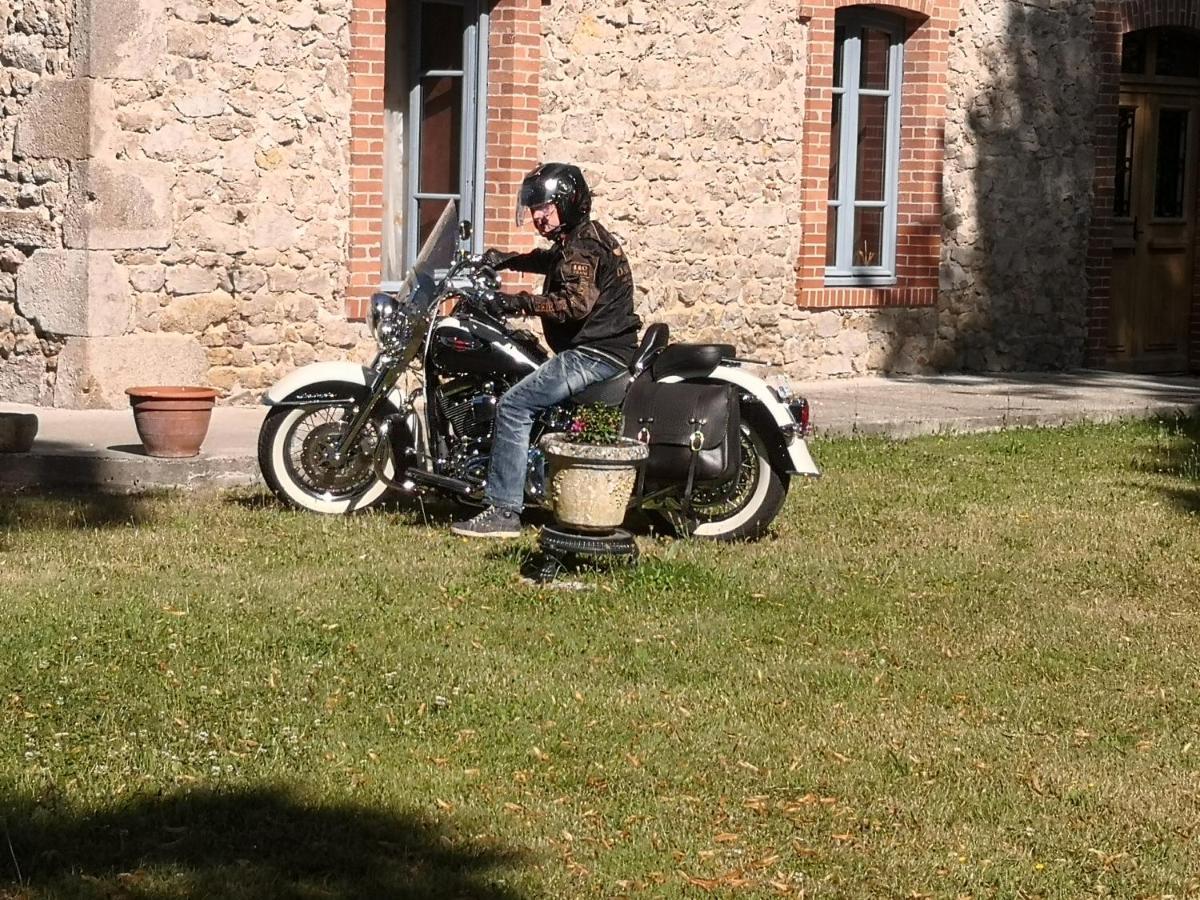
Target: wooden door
1154 235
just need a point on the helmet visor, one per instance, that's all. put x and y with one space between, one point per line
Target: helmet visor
534 193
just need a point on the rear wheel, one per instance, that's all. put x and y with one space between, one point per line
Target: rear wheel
742 508
295 453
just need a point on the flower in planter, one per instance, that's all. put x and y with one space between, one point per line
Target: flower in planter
595 423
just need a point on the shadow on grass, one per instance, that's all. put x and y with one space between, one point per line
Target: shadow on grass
251 498
435 511
1176 454
259 843
53 510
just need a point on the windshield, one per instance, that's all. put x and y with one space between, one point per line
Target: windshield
435 258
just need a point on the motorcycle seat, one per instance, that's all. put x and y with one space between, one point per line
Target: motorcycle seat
611 391
690 359
654 340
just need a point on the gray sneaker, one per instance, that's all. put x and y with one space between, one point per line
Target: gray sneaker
493 522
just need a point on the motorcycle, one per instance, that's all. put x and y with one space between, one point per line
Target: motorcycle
339 436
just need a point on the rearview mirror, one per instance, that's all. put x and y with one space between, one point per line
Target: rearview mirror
464 230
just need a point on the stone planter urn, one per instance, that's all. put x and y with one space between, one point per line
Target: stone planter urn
17 431
590 484
172 421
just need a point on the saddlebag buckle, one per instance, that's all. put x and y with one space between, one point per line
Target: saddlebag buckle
643 435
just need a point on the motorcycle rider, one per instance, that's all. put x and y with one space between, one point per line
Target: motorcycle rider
586 308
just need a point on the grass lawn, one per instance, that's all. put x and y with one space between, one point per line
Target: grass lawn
961 666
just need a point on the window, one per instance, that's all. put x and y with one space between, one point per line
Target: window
437 73
1170 163
1123 195
864 149
1161 53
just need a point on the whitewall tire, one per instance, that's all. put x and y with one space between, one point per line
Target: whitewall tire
289 456
760 493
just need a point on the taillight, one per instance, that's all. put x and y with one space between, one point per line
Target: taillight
800 411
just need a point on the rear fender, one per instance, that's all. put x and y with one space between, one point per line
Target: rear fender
789 451
329 384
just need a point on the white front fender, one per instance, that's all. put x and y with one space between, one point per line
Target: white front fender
314 373
797 449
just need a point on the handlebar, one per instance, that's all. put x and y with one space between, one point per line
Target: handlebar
483 281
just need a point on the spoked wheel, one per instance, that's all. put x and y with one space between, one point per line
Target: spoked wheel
744 506
296 449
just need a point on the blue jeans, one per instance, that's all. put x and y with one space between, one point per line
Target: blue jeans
552 383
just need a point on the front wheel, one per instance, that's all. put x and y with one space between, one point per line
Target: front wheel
295 448
742 508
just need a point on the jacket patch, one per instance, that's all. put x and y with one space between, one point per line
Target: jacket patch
581 269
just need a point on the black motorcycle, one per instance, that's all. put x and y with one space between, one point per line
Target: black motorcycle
723 442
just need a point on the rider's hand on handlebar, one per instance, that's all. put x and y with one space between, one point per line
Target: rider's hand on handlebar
500 304
495 259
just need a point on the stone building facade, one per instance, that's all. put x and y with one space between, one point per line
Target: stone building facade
209 190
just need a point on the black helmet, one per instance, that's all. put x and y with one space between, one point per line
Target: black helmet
561 184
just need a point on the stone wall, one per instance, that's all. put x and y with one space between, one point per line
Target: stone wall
174 186
1020 129
196 228
689 117
35 49
253 113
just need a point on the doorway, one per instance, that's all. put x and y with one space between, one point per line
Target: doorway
1154 225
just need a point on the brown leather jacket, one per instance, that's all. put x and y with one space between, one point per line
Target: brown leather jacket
586 302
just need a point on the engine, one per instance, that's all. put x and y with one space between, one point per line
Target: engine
470 408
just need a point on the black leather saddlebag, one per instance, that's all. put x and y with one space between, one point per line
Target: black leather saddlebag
677 417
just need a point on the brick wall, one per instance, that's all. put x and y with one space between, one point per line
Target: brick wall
514 106
919 220
368 50
1107 48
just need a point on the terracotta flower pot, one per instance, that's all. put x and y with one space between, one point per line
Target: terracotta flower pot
591 483
171 421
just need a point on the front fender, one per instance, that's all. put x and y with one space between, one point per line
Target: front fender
793 445
326 382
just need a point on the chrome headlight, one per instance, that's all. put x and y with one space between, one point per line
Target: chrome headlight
389 321
383 309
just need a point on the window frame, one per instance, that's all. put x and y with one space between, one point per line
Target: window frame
472 152
843 273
